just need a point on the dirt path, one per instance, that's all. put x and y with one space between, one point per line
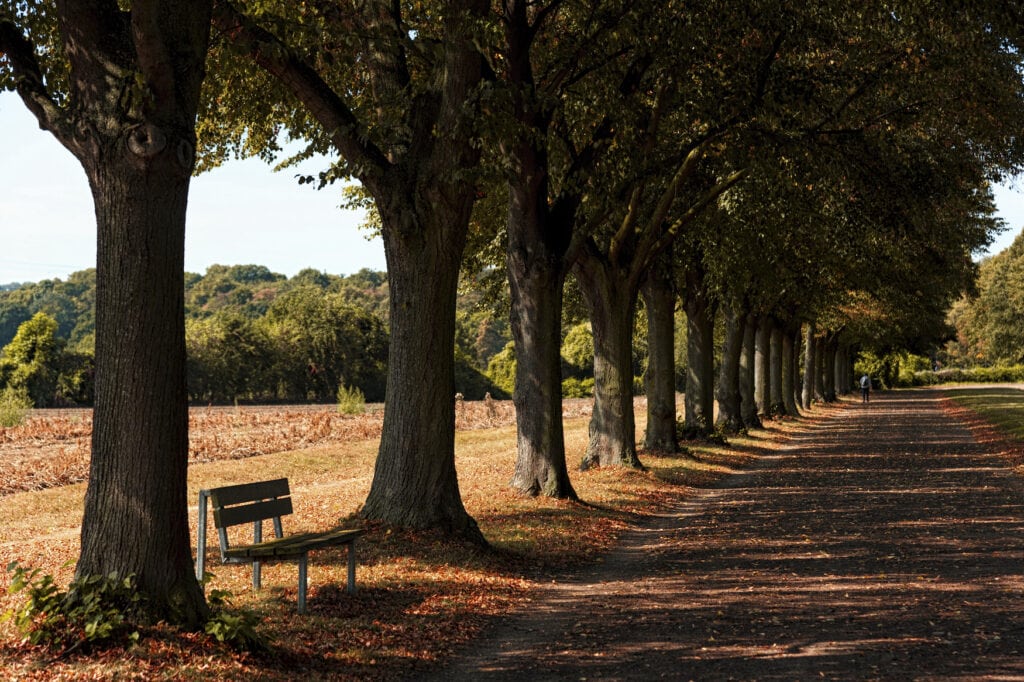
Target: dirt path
883 544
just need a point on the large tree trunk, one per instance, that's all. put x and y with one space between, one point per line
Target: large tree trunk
810 365
414 481
776 404
788 383
128 115
820 354
728 393
611 305
660 379
828 371
136 513
839 369
538 237
422 185
747 374
762 365
536 285
700 354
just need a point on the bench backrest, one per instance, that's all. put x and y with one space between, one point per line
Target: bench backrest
249 502
253 503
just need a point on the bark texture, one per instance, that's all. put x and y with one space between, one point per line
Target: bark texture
762 365
747 374
700 371
728 392
790 371
536 286
129 116
660 378
414 483
418 180
811 364
612 423
776 406
539 234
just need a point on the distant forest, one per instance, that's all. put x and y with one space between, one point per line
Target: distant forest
252 335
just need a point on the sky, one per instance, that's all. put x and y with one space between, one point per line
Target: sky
240 213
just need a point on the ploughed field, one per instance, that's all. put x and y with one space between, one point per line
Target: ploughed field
51 448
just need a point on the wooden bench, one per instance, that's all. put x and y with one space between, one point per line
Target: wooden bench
256 502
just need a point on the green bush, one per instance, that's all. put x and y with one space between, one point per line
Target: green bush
974 375
578 388
94 609
351 400
236 629
14 405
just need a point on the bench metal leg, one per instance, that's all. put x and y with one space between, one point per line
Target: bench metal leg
257 538
302 584
351 568
201 538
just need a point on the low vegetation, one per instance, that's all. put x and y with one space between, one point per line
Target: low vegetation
420 596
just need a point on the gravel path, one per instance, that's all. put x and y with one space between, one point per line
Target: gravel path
883 543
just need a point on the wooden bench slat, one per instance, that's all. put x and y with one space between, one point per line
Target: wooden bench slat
246 492
224 517
294 545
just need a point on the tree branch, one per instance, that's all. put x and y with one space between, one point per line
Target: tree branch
338 121
692 212
21 55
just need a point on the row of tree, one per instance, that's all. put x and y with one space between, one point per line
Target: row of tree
821 167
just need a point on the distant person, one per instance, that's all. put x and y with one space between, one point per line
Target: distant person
865 388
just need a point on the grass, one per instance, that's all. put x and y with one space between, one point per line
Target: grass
1000 406
421 596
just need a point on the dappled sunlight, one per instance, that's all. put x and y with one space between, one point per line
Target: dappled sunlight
881 537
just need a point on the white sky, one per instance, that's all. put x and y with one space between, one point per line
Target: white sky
240 213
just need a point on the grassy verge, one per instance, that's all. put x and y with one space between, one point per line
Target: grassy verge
420 596
1001 406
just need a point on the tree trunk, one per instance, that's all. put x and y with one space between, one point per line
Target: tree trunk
414 481
660 379
728 392
839 369
748 404
810 364
776 406
819 369
789 372
828 352
762 365
539 233
136 514
700 353
536 284
612 423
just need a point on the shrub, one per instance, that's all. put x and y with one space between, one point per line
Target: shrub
577 388
351 400
94 609
14 405
236 629
973 375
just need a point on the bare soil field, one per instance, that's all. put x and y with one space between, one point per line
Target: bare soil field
51 448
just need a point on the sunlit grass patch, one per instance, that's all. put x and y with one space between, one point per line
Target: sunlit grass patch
1002 406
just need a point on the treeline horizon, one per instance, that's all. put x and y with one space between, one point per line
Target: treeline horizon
259 337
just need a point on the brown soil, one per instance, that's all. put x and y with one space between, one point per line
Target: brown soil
885 543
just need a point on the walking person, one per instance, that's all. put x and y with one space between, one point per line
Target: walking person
865 388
